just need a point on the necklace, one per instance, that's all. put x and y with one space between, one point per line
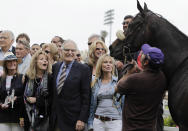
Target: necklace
36 81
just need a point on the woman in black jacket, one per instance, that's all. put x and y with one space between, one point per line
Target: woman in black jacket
36 93
11 95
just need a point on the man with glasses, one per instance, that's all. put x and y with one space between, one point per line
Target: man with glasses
71 92
6 41
116 48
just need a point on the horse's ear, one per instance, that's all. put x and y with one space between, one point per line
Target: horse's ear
145 7
139 7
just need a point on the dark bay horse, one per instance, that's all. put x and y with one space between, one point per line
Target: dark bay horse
151 28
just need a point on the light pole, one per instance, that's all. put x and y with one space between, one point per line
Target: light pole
108 20
104 34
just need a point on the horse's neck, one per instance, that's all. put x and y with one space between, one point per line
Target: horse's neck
175 48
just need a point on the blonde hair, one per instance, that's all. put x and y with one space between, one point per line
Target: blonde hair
99 72
92 49
32 71
53 50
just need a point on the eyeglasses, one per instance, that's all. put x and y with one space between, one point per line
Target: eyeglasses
47 52
78 55
2 37
89 43
67 50
100 49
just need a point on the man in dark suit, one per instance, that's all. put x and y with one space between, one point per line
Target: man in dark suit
71 92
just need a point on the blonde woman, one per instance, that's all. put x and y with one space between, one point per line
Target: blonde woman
97 49
105 111
52 51
37 91
11 94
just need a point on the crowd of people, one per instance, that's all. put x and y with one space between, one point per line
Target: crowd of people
49 87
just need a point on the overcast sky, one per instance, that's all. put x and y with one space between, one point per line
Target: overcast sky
78 19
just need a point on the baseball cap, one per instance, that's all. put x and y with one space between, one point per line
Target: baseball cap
154 54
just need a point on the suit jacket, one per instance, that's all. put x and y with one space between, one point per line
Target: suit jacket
73 102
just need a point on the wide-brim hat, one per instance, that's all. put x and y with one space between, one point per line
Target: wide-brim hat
9 56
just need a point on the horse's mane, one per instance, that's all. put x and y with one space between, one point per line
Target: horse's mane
161 21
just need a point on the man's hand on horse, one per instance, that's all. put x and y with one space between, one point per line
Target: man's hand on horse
119 65
134 69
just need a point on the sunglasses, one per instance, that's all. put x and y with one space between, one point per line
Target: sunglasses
78 55
54 41
100 49
89 43
125 23
47 52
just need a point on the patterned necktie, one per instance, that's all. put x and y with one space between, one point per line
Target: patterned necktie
61 79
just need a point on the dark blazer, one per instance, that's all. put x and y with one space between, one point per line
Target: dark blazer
73 102
12 115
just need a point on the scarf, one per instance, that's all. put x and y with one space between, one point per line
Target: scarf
42 90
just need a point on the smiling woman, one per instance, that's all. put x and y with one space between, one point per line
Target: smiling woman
105 110
97 49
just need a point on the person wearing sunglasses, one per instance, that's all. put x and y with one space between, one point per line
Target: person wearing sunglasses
52 52
116 48
93 38
78 57
97 49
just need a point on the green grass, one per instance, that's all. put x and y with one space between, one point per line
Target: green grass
169 122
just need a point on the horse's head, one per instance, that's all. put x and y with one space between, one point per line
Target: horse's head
138 33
